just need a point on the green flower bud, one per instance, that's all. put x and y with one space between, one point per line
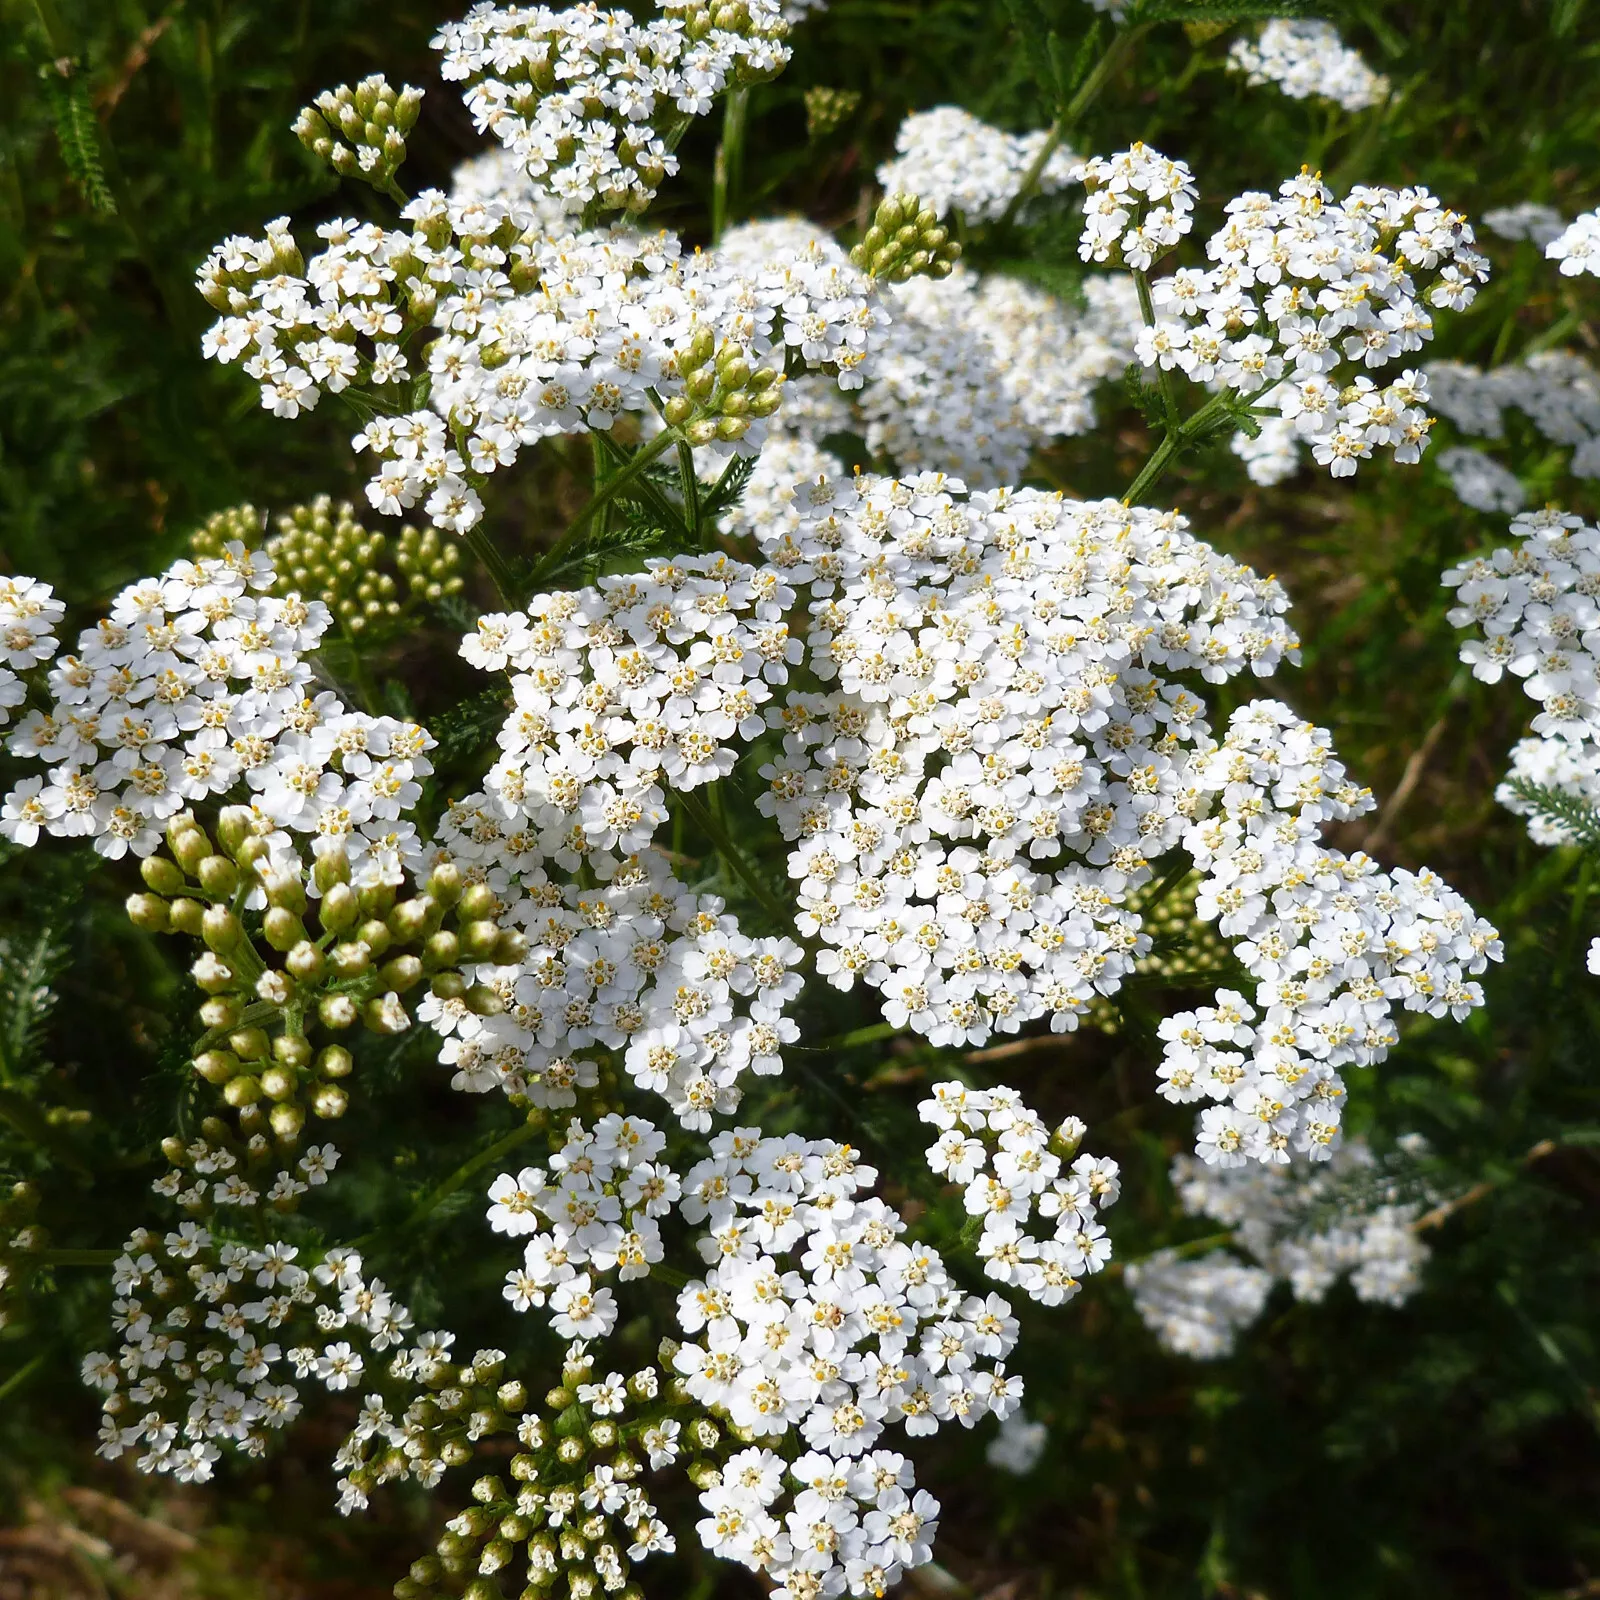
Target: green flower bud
218 876
161 875
211 974
249 1044
149 912
408 920
279 1083
337 1011
243 1090
221 930
282 929
350 959
444 883
217 1066
403 973
375 936
478 939
332 867
292 1050
334 1061
678 410
384 1014
185 916
306 962
276 988
329 1102
339 908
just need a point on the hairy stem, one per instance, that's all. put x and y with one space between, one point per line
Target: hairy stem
495 564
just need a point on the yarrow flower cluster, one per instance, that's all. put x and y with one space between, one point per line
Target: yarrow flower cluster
216 1336
957 163
1139 206
1309 295
197 683
1479 481
29 612
1334 943
1307 1225
590 101
1012 1164
1535 605
1556 390
1577 246
1308 60
1527 219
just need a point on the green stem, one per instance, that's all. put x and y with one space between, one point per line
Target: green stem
734 857
1180 438
552 557
1071 114
494 563
77 1258
867 1035
691 493
22 1374
436 1197
1147 311
729 166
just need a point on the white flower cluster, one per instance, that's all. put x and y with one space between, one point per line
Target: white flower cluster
29 612
818 1319
208 1358
589 101
1019 1446
1308 60
1557 390
1307 1225
1003 753
1197 1306
1139 206
1311 1224
1527 219
977 373
1334 943
195 685
1479 481
1307 296
1577 247
954 162
1008 1161
538 336
633 963
1535 604
648 679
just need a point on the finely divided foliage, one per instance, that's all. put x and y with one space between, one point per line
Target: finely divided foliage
989 730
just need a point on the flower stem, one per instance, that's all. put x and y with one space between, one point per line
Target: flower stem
1070 115
494 563
436 1197
729 161
742 867
552 557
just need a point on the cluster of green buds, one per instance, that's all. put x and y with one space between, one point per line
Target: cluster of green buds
828 109
321 552
722 392
21 1240
330 963
361 132
573 1504
702 18
905 241
1183 949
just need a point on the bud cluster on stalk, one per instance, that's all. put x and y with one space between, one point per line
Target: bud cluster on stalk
361 132
723 392
322 552
906 240
828 109
324 963
572 1517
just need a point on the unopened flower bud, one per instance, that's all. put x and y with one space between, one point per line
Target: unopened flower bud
444 883
306 962
350 959
221 930
384 1014
217 1066
339 908
249 1044
403 973
161 876
443 949
329 1102
218 876
282 929
243 1090
149 912
337 1011
211 974
276 988
185 915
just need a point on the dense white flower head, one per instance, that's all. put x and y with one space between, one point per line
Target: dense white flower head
196 685
1307 297
1011 1165
1139 205
29 613
1480 481
1197 1306
1308 60
589 101
954 162
977 373
1535 606
1307 1225
1557 390
1577 247
1527 219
